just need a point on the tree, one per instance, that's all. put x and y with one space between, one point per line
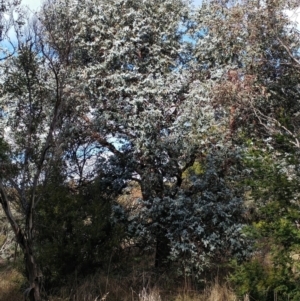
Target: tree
254 57
204 221
7 21
136 77
37 108
274 198
149 107
252 53
113 90
76 234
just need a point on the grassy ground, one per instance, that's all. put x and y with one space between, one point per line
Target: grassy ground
11 282
136 287
140 284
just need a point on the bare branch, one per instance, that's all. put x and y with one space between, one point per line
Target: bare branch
289 52
6 207
261 116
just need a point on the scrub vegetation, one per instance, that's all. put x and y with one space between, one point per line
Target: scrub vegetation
149 151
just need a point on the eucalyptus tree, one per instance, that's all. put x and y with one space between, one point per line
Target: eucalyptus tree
130 55
119 78
38 104
253 55
253 47
11 16
254 59
148 106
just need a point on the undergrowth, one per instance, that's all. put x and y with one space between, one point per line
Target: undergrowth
134 287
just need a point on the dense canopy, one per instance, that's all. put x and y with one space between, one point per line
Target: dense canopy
194 110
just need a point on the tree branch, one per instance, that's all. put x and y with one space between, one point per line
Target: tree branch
260 116
289 53
7 210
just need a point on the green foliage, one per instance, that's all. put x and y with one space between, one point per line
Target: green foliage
273 270
250 277
195 170
4 148
76 234
112 90
202 225
262 280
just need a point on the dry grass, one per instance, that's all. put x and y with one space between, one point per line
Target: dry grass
215 292
98 288
218 292
10 284
134 287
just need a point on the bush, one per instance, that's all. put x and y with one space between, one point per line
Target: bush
76 233
273 271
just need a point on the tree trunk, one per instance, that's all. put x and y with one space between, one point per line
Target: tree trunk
162 251
152 186
25 241
32 270
33 274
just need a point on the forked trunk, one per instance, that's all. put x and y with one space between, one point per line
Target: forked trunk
32 270
33 275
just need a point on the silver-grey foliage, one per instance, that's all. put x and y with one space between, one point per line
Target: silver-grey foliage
118 84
